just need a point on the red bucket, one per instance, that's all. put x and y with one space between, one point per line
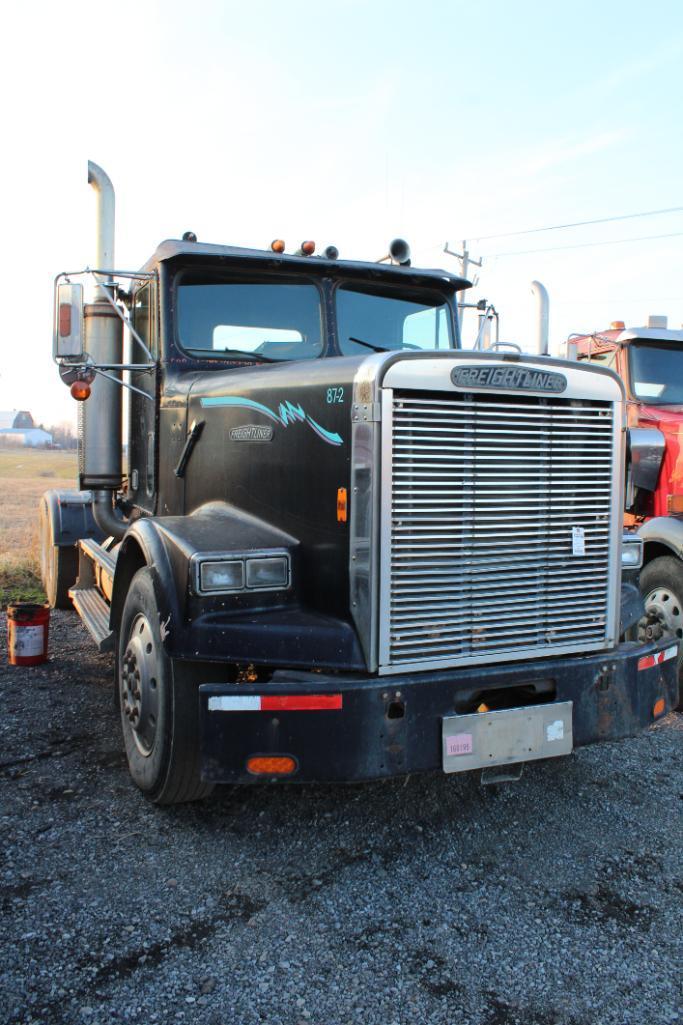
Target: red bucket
27 629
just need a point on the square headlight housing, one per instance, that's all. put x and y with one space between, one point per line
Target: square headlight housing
631 551
214 573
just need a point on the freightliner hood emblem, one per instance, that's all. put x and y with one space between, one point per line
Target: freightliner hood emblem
508 378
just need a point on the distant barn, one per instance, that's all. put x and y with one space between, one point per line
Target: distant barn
17 428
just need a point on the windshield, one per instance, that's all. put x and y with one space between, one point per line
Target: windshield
657 372
383 319
264 320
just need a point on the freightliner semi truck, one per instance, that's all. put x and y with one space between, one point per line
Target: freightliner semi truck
344 548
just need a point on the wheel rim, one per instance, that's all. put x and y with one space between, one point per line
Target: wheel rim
140 685
668 608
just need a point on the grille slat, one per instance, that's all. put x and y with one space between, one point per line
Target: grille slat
484 495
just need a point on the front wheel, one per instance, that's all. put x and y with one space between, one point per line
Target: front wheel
159 704
661 584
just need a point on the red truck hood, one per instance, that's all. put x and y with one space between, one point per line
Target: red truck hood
669 420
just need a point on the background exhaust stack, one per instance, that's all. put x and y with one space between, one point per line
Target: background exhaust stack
100 417
542 303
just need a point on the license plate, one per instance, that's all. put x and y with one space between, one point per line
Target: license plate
510 735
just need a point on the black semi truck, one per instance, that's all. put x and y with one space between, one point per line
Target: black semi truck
344 548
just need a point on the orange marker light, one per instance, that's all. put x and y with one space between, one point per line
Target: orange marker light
483 708
278 245
275 765
617 325
658 708
80 390
342 505
308 248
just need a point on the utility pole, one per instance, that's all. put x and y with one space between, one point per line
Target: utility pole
465 261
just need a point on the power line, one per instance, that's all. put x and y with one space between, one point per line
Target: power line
579 224
586 245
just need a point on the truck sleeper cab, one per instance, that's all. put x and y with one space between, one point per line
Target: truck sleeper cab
346 549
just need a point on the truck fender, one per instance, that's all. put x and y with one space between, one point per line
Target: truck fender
70 517
144 545
167 546
662 535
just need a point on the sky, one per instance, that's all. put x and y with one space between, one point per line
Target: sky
349 123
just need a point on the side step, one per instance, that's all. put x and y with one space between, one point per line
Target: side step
94 612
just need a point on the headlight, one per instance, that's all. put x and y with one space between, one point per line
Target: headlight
268 572
221 576
239 572
631 551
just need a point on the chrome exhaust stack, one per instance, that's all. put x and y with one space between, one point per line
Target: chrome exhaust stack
100 418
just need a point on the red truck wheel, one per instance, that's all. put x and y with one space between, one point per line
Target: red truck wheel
661 584
159 705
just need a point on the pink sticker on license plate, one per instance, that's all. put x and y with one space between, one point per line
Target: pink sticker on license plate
460 744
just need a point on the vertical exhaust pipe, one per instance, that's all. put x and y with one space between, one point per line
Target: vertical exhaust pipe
542 316
100 418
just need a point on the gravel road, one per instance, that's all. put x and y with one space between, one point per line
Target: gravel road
553 901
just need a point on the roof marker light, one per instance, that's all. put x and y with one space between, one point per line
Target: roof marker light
307 248
278 245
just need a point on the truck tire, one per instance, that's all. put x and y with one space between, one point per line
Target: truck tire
159 704
661 584
58 564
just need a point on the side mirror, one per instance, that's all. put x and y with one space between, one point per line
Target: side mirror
68 327
645 454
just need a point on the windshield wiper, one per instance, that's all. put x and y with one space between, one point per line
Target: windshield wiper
218 353
369 345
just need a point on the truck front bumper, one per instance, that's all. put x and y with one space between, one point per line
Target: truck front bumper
346 728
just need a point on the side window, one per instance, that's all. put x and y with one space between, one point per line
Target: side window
604 358
142 324
427 329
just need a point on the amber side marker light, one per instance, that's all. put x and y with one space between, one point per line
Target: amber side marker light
342 505
308 247
278 245
617 325
658 708
80 390
275 765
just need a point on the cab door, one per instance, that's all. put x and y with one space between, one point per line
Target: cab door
142 432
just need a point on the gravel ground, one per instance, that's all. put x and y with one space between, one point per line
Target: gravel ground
553 900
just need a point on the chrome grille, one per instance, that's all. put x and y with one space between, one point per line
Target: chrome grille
483 560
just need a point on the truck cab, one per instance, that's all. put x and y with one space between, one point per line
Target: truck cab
649 361
344 548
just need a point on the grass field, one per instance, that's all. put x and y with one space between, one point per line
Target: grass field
24 475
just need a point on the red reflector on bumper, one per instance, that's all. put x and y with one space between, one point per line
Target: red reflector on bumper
300 702
649 661
275 702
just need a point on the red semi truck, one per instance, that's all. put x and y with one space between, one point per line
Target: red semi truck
649 360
